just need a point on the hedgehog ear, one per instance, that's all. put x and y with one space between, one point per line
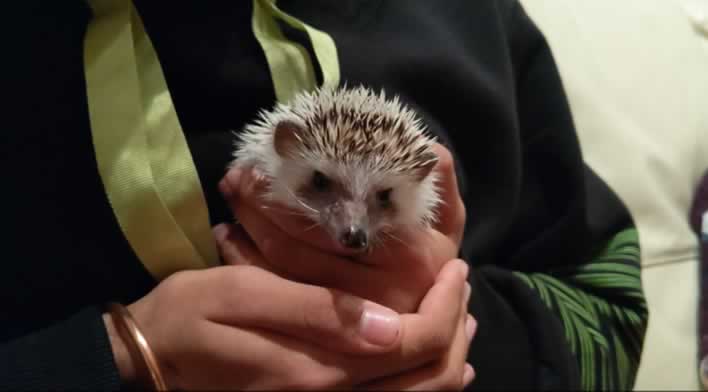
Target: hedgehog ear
285 139
430 159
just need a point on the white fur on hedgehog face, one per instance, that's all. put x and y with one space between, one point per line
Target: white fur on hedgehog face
411 202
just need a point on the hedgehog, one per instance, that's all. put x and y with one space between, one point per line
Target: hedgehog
353 161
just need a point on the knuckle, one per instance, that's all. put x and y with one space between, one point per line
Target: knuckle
317 316
177 281
438 343
246 275
440 339
243 280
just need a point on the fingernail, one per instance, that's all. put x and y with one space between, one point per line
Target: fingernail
233 176
220 231
468 375
470 326
468 292
379 325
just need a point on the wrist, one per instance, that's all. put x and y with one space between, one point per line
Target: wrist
121 355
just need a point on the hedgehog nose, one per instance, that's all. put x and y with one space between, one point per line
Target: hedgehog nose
354 238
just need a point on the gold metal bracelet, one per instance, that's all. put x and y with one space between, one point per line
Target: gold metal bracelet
147 367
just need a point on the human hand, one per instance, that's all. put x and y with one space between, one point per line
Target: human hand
396 275
242 327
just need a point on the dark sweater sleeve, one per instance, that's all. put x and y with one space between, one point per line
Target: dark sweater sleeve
561 304
74 354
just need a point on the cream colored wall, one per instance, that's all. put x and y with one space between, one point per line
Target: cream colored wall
636 72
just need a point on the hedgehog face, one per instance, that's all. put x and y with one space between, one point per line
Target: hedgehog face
351 208
358 207
357 202
356 163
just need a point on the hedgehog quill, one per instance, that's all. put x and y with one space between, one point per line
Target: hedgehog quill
354 162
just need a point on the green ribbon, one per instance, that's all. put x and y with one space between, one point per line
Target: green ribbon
143 158
290 65
142 155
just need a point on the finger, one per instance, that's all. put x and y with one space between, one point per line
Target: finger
469 372
446 373
243 185
236 248
444 340
229 252
240 182
259 299
469 375
266 361
451 212
219 232
427 333
440 295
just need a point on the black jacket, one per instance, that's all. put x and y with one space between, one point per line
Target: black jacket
479 72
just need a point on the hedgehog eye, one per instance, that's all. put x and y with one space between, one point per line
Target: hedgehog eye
320 181
384 197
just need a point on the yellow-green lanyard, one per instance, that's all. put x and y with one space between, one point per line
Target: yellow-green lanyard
290 65
143 158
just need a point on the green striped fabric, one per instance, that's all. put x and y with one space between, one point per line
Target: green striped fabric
603 311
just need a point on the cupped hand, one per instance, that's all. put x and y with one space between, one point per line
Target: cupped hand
397 274
242 328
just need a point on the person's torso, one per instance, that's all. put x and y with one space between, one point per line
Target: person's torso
64 248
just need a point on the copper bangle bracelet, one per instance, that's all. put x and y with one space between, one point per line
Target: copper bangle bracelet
147 367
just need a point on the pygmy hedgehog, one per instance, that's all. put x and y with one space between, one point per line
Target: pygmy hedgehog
354 162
